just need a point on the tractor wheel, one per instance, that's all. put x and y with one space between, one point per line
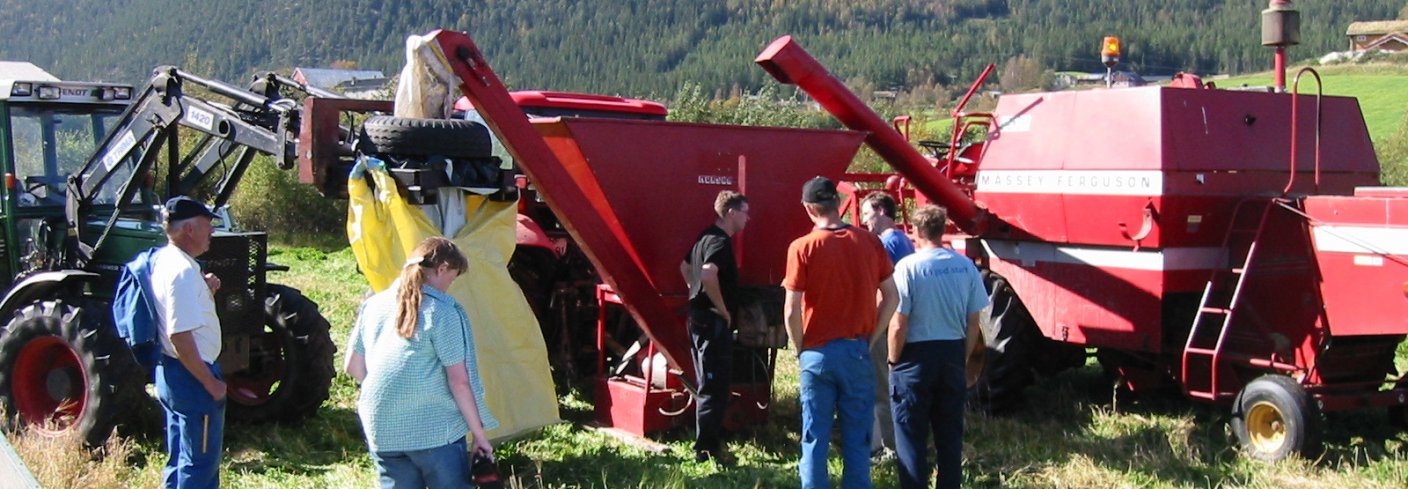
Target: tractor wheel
290 362
62 367
1011 336
1273 417
450 138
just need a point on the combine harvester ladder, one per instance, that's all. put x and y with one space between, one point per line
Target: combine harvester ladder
1221 296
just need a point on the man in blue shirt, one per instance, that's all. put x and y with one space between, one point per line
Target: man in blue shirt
941 297
877 213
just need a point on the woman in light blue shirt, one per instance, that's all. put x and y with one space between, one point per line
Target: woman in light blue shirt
413 353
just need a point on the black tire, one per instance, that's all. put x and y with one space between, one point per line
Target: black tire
1398 415
534 269
290 363
451 138
63 367
1011 336
1273 418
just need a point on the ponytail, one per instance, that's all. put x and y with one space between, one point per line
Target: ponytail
428 255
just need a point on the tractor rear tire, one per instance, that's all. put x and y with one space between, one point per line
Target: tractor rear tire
1012 339
450 138
1273 417
63 367
290 365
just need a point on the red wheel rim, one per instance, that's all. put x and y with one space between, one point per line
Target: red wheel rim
256 384
50 387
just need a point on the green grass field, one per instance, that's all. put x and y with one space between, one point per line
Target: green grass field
1069 435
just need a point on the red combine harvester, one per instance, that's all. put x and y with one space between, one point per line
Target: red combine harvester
1230 242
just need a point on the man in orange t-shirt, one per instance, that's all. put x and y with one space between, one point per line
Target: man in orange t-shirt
832 318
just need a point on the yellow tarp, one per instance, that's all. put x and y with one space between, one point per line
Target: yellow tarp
383 228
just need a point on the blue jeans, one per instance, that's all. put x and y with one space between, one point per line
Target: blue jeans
838 384
927 391
195 427
445 466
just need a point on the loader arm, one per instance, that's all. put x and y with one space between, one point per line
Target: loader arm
234 124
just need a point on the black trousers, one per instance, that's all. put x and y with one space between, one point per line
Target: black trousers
713 363
928 391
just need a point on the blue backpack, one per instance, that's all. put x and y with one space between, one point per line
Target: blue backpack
134 311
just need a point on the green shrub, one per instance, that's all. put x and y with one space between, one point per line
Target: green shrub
766 107
1393 157
272 200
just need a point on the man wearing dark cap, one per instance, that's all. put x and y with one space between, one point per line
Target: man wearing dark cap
188 382
832 318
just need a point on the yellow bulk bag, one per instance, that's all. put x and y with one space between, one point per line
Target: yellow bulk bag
383 228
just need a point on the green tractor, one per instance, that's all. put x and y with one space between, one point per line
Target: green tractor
86 168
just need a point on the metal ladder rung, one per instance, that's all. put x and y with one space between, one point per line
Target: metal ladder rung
1243 239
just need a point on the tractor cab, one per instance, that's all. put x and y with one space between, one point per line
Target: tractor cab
48 130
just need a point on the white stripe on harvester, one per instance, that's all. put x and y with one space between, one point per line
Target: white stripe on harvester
1028 253
1362 239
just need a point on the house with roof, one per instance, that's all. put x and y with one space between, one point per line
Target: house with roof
1379 35
352 83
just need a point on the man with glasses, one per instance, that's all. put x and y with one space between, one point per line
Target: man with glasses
712 274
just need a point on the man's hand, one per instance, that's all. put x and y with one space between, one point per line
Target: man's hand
709 278
217 389
189 356
792 317
212 281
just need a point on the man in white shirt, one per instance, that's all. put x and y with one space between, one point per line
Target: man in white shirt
188 382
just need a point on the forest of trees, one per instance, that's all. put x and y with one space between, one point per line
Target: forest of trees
655 47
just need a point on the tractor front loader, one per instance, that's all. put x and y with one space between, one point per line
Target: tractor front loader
86 167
